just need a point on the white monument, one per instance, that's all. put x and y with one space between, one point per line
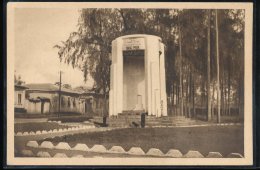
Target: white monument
137 81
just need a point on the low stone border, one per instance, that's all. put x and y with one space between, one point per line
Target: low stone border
173 153
83 127
203 125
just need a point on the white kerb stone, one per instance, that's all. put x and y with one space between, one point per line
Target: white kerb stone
19 134
98 148
235 155
193 154
47 144
175 153
38 132
155 152
214 155
25 133
54 130
117 149
44 132
60 155
81 147
136 151
31 133
33 144
43 154
63 145
77 156
27 153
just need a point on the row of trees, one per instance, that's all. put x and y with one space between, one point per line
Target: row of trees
204 52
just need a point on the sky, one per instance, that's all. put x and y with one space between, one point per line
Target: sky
37 30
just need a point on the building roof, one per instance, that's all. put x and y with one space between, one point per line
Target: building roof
49 88
20 87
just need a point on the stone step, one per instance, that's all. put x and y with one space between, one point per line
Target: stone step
125 120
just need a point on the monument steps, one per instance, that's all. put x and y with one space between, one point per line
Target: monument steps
126 120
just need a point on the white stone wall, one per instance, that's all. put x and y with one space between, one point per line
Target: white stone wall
154 90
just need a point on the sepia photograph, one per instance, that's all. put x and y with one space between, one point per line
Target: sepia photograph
129 83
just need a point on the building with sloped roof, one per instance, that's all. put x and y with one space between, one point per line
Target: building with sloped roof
44 98
94 101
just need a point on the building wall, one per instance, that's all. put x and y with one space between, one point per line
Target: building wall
84 104
69 103
19 102
34 108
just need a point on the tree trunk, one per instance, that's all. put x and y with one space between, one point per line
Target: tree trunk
180 48
217 55
212 101
193 96
190 79
222 103
208 70
187 94
225 95
173 98
177 100
183 91
229 84
241 113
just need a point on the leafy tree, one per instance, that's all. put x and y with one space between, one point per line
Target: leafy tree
67 86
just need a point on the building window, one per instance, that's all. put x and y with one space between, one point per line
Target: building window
62 101
19 98
74 102
68 102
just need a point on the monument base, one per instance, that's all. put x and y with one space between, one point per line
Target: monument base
132 112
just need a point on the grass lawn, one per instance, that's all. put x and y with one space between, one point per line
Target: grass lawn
31 126
204 139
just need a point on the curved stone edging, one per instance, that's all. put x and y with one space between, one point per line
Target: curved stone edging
173 153
203 125
83 127
31 133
